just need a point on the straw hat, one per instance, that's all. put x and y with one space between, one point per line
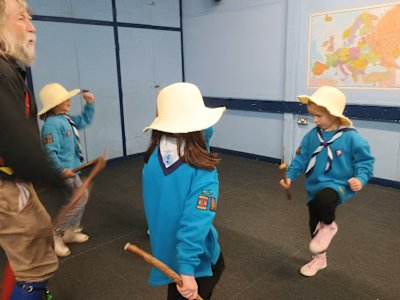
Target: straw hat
181 109
330 98
53 94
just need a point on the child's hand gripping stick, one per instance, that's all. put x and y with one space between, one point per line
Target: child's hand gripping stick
156 263
283 167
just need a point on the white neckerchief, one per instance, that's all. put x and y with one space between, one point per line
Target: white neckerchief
169 151
324 144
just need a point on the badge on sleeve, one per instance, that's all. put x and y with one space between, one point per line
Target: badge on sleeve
298 150
47 139
202 202
213 205
207 192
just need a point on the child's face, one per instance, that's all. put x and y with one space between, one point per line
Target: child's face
322 118
63 108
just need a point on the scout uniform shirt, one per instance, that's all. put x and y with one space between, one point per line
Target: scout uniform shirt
60 141
351 157
180 203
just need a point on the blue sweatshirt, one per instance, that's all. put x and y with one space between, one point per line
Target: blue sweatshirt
59 140
351 158
180 204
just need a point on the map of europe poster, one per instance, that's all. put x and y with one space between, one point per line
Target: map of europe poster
355 48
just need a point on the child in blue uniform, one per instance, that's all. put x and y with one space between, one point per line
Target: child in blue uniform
337 163
60 139
180 190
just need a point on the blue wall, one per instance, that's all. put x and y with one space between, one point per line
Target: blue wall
252 56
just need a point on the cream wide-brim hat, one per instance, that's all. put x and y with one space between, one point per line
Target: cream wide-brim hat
53 94
330 98
181 109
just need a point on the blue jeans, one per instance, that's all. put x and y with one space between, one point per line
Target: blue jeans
29 291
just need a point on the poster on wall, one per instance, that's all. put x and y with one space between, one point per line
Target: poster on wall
355 48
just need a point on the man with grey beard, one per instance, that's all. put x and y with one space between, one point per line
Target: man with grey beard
26 232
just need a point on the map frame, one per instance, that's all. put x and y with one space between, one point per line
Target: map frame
334 80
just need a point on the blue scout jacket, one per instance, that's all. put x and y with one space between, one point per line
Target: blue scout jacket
351 158
180 204
59 140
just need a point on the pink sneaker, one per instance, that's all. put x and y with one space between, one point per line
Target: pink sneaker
316 264
323 238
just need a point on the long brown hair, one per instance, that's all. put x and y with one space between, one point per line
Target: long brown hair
47 114
194 151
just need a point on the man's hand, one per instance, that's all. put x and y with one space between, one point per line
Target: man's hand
189 288
355 184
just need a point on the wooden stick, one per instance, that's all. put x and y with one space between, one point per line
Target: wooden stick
157 263
84 166
78 193
283 167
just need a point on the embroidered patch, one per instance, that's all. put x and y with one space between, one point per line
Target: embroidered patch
207 192
202 202
213 205
338 152
47 139
298 150
68 132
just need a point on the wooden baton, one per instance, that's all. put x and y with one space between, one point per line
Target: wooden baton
84 166
78 193
157 263
283 167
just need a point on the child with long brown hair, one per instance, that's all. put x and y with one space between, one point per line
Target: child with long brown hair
180 190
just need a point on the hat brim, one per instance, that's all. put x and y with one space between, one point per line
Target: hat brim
202 120
305 99
69 95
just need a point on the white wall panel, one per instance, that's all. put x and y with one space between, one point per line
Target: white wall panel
236 50
80 9
255 133
83 56
149 12
150 60
384 140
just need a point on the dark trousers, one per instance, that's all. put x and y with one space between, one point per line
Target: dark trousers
29 291
206 285
323 208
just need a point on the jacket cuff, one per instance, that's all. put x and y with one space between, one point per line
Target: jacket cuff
363 180
186 269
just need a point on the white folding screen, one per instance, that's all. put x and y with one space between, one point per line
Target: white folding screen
79 44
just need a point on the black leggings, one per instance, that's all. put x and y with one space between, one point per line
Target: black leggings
323 207
205 284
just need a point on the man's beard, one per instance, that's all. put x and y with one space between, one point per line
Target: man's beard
25 53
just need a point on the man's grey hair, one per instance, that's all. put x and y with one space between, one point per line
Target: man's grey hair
7 44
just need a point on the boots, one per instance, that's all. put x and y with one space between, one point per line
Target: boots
316 264
323 238
74 236
59 247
